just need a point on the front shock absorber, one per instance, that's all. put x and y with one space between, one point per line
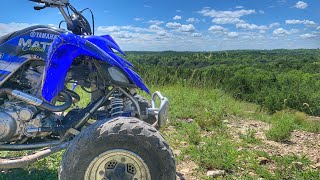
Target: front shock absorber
116 104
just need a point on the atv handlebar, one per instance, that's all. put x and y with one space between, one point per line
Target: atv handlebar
76 22
53 2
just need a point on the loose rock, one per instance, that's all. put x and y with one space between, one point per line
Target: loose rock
176 152
317 166
215 173
298 165
263 160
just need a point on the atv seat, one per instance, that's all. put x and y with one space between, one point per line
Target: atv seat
6 37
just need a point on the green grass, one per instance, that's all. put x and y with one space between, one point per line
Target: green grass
284 122
207 141
282 126
206 106
250 137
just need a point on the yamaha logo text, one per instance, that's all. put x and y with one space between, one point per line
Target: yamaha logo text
42 35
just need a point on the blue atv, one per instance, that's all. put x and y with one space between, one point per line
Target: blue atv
114 137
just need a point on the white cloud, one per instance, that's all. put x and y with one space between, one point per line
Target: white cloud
192 20
109 29
134 34
156 22
196 34
233 34
239 7
308 35
155 27
177 17
173 25
280 32
301 5
216 28
294 31
276 24
250 26
226 14
138 19
124 35
115 29
261 12
161 33
227 20
187 28
262 31
226 17
147 6
8 28
305 22
178 10
318 28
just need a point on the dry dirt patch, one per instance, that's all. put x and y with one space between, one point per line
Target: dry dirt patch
301 143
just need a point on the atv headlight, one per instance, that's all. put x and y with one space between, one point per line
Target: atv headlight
117 75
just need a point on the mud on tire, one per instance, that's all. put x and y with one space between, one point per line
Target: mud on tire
124 133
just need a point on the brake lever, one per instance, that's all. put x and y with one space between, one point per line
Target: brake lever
37 8
41 7
37 1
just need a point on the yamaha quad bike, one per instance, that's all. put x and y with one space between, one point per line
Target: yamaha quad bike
114 137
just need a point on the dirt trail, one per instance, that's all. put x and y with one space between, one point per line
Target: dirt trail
301 142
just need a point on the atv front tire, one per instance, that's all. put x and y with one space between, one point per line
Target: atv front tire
121 148
144 104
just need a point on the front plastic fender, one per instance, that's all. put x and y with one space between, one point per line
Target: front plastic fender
66 47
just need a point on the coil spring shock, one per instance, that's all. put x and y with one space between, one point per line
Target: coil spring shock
116 104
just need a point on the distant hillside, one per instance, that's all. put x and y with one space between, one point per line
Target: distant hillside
274 79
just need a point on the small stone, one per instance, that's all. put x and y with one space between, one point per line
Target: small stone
225 121
185 170
176 152
317 166
252 174
263 160
183 143
298 165
215 173
189 120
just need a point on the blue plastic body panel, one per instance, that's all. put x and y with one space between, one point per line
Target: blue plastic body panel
67 46
26 44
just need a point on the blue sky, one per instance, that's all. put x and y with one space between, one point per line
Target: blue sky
187 25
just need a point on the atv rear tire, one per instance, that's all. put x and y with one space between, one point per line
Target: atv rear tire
127 140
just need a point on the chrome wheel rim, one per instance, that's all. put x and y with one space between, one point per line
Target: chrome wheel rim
117 164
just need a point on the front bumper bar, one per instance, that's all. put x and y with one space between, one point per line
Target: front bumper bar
160 112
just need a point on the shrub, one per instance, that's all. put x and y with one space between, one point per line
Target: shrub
282 125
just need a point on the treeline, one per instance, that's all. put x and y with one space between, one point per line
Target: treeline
275 79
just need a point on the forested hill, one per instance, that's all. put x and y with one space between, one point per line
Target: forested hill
235 57
275 79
